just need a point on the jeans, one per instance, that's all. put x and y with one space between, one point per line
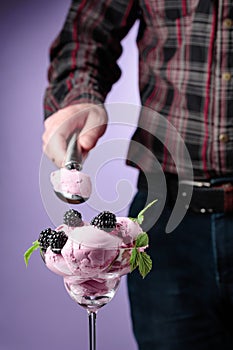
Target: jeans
186 301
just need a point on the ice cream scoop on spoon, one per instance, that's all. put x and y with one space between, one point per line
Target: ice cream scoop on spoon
69 183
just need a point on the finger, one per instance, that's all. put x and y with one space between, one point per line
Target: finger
93 129
55 149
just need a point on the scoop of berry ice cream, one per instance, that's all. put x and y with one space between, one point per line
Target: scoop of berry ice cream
56 263
71 181
89 250
127 230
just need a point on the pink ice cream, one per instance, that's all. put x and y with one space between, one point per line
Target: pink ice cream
83 290
72 182
127 230
89 250
56 263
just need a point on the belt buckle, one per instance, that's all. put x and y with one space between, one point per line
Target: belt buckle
195 183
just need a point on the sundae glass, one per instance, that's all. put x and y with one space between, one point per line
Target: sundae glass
92 257
95 291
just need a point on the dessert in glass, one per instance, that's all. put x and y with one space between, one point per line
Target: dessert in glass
92 257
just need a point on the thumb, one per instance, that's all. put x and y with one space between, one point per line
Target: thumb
94 127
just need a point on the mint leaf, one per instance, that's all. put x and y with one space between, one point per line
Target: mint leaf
134 259
142 240
28 253
144 264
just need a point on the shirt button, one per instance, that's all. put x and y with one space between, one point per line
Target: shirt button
223 138
226 76
228 23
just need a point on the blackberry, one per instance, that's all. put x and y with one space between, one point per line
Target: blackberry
58 241
72 218
105 221
45 238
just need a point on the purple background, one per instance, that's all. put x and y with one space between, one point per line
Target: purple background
35 312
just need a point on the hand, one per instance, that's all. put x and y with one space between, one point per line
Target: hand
89 119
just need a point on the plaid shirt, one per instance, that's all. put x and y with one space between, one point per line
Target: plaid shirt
185 73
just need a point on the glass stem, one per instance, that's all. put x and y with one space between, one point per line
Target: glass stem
92 330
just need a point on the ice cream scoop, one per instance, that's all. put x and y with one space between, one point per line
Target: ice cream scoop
69 183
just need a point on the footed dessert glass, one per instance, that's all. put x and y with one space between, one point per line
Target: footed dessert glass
98 287
92 259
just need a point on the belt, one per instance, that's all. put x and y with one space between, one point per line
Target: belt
206 196
209 198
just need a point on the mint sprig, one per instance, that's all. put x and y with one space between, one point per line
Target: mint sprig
35 245
139 258
140 218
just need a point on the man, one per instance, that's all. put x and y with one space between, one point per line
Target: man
185 74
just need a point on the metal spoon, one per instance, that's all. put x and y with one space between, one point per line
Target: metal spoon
73 161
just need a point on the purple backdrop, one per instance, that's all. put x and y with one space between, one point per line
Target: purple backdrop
36 313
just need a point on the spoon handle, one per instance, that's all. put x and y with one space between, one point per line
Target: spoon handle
73 155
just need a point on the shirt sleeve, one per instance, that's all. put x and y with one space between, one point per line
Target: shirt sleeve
83 57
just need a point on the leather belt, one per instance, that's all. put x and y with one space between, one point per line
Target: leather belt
210 198
206 197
